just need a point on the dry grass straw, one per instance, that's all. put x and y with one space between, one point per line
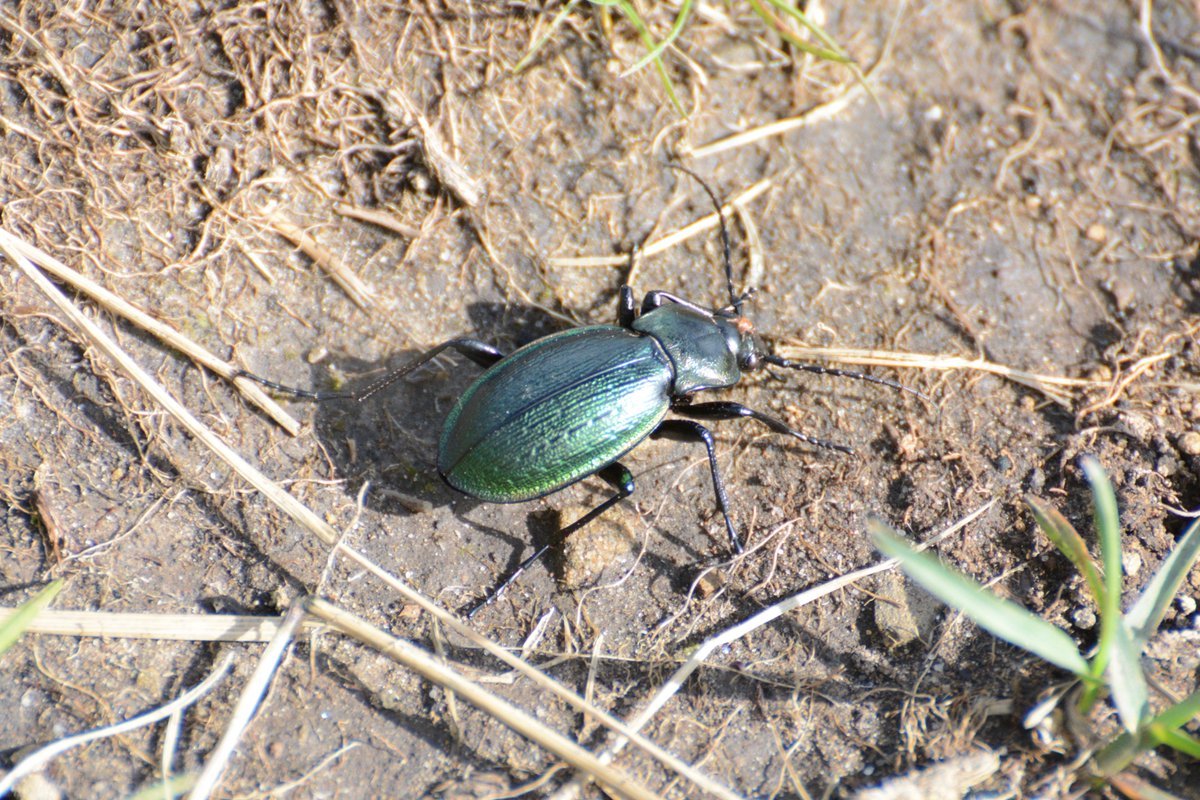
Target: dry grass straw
665 243
247 704
358 291
430 668
141 319
163 627
376 217
1054 387
329 536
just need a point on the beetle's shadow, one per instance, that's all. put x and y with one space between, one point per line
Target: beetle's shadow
391 438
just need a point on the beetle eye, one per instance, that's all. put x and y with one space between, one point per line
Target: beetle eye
750 361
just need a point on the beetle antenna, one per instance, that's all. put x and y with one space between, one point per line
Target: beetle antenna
734 300
842 373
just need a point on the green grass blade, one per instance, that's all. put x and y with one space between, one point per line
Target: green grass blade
1062 534
1108 532
1177 740
630 13
545 37
831 52
175 786
1000 617
685 10
1118 754
1181 713
1126 680
1150 607
15 625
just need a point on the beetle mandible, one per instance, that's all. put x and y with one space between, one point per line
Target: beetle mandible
573 403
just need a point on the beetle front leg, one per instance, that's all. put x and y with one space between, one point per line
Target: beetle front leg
615 475
687 431
728 410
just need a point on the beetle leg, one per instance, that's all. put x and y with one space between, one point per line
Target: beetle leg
615 475
728 410
625 306
481 353
687 431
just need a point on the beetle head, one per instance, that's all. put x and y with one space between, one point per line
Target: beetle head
740 338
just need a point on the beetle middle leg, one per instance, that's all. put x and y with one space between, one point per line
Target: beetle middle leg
616 475
684 430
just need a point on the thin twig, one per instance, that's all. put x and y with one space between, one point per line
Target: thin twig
358 291
166 333
670 240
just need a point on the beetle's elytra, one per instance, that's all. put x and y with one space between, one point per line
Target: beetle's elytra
572 404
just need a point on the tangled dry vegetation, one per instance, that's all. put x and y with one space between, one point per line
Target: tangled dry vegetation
1004 213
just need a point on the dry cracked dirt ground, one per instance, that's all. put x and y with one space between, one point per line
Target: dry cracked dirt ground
1019 187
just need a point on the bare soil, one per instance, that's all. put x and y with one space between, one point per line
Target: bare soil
1022 187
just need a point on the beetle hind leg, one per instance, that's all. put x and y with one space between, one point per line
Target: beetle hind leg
615 475
482 353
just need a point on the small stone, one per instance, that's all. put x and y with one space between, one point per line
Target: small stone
1186 604
1139 427
36 787
1131 563
1096 233
1123 294
1189 443
902 612
1084 618
710 583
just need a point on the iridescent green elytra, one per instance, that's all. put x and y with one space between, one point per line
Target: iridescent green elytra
555 411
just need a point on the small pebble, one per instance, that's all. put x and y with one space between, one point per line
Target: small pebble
1123 294
1189 443
710 583
1084 618
36 787
1186 604
1131 563
1137 426
1096 233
